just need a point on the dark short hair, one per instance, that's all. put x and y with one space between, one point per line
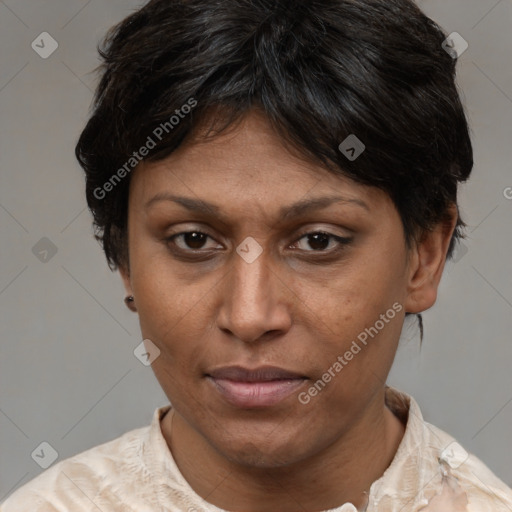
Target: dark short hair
320 70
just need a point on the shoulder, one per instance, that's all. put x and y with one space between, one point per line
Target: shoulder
83 482
485 492
431 471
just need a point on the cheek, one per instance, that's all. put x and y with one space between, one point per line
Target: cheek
172 313
353 301
359 317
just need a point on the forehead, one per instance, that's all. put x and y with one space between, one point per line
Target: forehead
247 149
246 167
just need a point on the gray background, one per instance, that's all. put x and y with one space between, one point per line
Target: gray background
68 374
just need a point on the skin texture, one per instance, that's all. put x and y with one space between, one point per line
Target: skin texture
294 307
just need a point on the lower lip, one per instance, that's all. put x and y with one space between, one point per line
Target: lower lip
256 394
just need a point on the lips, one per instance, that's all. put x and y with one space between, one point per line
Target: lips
255 388
261 374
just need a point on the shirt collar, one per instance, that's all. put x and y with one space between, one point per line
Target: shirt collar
414 466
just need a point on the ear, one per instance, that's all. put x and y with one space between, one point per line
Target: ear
125 276
426 264
129 299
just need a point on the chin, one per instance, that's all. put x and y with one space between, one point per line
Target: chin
262 455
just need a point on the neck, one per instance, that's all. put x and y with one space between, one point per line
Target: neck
342 473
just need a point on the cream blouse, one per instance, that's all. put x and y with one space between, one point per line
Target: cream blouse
136 472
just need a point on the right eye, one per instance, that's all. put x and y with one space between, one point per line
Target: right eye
192 241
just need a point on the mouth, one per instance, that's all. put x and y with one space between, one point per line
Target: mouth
260 387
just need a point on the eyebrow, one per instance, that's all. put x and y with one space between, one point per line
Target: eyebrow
285 212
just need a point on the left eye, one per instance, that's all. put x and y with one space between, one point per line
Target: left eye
319 240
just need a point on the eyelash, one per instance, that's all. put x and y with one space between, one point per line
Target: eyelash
342 241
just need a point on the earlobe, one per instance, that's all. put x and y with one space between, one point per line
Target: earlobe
130 303
427 264
129 299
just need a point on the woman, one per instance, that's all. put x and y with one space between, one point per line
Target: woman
277 184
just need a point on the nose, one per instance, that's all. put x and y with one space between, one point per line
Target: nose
254 300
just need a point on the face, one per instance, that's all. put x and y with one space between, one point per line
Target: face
251 279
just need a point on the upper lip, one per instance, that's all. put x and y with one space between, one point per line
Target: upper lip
260 374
